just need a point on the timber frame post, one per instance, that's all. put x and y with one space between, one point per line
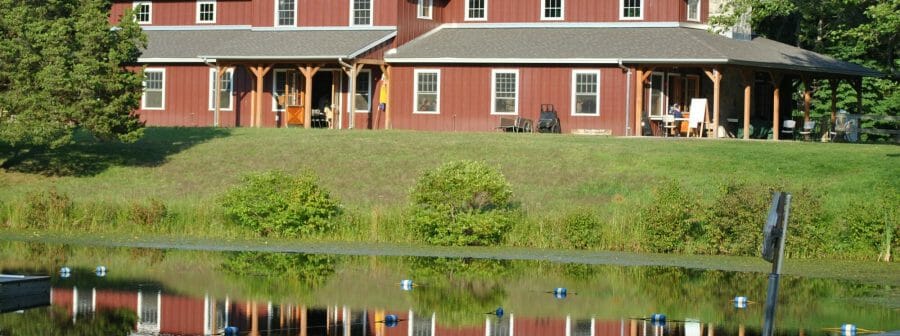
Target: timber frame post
807 96
256 110
217 86
716 77
776 103
308 72
386 83
747 77
352 73
834 82
857 86
641 76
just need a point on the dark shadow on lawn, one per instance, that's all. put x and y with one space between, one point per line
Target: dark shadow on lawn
87 156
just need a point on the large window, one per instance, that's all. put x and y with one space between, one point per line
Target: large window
363 91
505 92
206 12
362 12
154 97
693 10
284 88
552 9
142 11
632 9
585 92
476 10
656 103
225 89
428 91
424 9
285 12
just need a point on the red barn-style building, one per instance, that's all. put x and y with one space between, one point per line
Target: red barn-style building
607 66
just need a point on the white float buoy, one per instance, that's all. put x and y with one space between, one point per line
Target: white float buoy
658 319
848 330
100 271
406 285
740 302
65 269
560 293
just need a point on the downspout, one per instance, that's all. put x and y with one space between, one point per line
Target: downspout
216 88
350 86
627 96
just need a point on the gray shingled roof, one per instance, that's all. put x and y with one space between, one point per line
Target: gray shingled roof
247 44
608 45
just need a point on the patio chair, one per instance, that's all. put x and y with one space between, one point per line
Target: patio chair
808 128
788 127
549 120
668 123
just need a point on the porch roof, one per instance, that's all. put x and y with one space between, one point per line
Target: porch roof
186 46
611 45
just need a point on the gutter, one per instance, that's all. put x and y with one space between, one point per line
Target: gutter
627 96
216 111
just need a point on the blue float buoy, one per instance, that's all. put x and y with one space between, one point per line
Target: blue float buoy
100 271
391 320
231 331
406 285
848 330
740 302
658 319
560 293
499 312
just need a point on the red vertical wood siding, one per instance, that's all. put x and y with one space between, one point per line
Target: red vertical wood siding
63 297
186 103
409 26
108 300
504 11
183 13
181 315
466 98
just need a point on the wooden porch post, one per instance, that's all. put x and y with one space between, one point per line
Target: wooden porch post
351 93
716 77
857 85
386 70
254 322
217 86
308 72
250 73
807 97
638 101
747 76
303 319
256 109
834 85
776 103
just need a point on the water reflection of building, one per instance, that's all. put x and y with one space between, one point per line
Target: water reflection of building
171 314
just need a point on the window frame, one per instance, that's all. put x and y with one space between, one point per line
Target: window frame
622 10
421 6
162 90
276 23
575 94
562 11
699 8
468 8
371 14
149 4
494 73
211 101
200 13
367 72
437 93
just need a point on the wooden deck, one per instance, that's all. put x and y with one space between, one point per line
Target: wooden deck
18 292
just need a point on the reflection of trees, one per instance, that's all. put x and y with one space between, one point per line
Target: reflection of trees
38 322
279 271
461 291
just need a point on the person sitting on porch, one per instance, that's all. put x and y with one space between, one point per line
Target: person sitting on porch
675 110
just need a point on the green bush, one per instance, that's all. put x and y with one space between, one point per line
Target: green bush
150 214
46 209
670 219
810 233
462 203
869 228
582 229
733 225
277 203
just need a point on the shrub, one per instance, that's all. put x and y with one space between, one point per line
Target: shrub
582 229
46 209
733 225
277 203
669 220
810 233
462 203
869 228
150 214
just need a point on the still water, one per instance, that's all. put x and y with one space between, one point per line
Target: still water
176 292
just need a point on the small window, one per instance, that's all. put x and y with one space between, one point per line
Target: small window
632 10
585 92
428 91
363 91
154 97
225 89
362 12
424 9
285 13
552 9
476 10
693 10
206 12
505 92
142 11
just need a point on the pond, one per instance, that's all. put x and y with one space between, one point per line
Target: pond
179 292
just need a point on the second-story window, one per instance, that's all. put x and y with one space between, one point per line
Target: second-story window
693 10
206 12
552 9
424 9
142 11
285 12
632 10
362 12
476 9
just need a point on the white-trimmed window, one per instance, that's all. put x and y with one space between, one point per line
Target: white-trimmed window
585 93
154 97
285 13
693 10
361 12
505 92
423 10
552 9
284 88
427 84
476 10
225 98
142 11
632 10
206 11
363 91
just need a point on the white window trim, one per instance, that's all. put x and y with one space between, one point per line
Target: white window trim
144 96
430 9
575 74
367 72
622 11
276 24
275 86
494 74
477 19
562 11
371 15
215 11
437 103
149 11
212 91
699 10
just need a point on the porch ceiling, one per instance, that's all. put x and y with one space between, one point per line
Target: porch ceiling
596 45
235 45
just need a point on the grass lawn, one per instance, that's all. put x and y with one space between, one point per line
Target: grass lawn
372 172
